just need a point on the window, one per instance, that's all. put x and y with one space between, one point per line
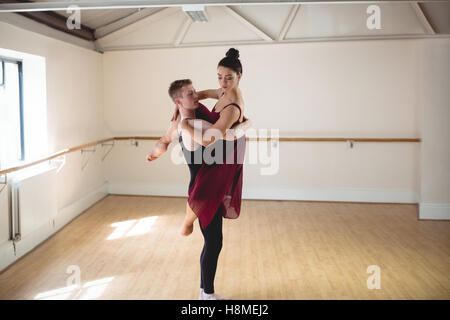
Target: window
11 112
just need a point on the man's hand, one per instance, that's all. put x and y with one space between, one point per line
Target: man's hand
151 157
157 151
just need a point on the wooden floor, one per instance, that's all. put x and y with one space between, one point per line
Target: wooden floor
128 247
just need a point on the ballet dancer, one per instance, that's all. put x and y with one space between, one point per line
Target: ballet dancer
216 191
188 107
187 99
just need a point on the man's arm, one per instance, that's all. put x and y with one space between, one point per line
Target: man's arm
162 144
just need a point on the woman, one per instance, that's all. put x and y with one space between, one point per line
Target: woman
216 191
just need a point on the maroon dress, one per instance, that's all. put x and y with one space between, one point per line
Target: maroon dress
218 186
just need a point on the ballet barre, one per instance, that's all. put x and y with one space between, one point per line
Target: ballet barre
103 142
295 139
54 155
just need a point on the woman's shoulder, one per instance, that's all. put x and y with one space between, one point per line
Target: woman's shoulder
235 112
232 94
233 97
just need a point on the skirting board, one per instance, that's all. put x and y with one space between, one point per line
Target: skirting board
305 194
7 256
73 210
434 211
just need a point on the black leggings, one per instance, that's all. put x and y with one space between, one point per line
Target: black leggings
210 252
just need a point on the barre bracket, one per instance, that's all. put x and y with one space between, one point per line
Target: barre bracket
107 144
61 160
350 142
87 150
4 183
134 142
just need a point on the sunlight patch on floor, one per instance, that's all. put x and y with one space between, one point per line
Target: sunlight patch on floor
90 290
132 228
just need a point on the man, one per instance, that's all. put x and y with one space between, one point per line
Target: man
186 99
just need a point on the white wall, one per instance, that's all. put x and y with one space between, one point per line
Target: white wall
435 156
330 89
74 106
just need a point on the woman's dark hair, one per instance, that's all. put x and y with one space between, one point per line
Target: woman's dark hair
231 61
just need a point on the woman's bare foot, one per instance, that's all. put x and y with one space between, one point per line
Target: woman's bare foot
186 229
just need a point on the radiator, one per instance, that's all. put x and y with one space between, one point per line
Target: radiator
33 202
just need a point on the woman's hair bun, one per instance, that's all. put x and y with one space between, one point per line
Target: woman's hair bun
232 53
232 61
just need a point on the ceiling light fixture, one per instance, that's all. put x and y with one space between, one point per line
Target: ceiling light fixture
197 13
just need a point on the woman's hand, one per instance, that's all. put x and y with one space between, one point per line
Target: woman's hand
244 125
176 112
239 129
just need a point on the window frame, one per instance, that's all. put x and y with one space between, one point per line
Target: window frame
19 63
3 74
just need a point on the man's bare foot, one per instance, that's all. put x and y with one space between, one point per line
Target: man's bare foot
186 229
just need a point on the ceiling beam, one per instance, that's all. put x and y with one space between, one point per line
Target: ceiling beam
20 21
423 19
248 24
262 42
55 21
59 22
288 22
14 6
126 30
125 21
182 31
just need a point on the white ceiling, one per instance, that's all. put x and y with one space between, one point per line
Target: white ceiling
156 27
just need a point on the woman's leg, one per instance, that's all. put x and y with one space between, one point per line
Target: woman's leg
211 250
188 223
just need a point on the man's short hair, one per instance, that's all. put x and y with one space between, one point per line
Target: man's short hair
175 87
